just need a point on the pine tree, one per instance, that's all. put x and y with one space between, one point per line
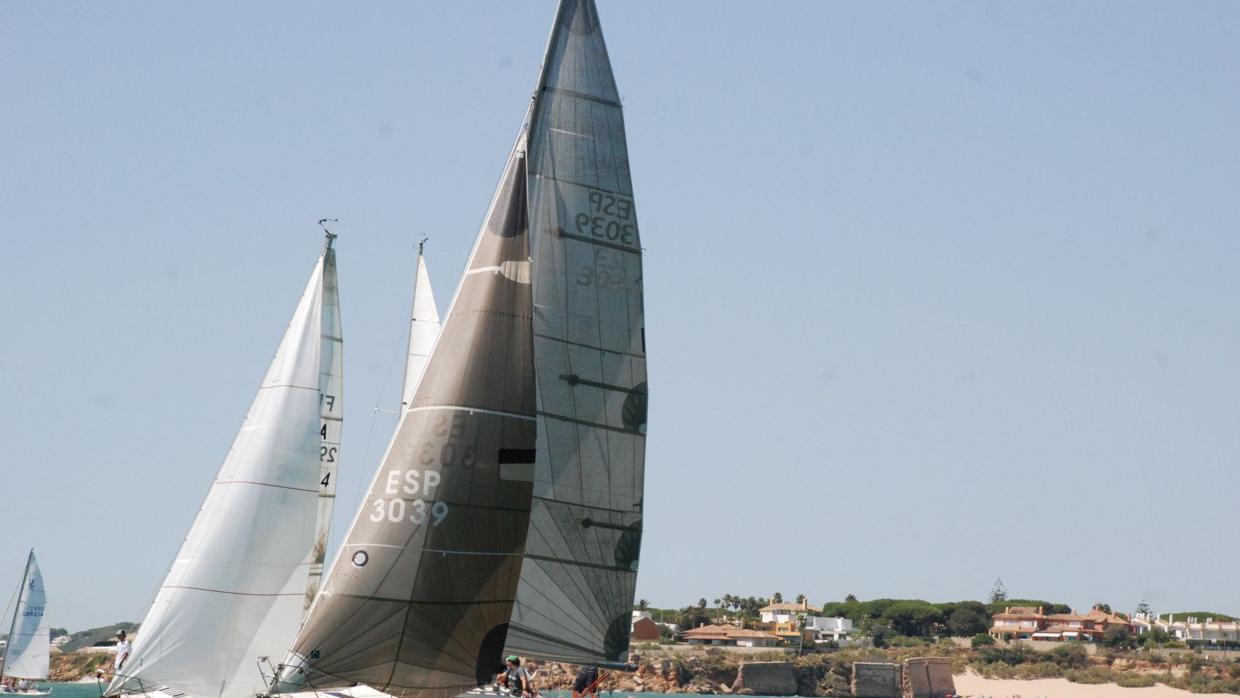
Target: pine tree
998 593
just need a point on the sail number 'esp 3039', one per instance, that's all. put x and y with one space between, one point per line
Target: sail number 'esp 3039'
409 493
397 507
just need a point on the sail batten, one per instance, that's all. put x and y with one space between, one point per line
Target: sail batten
241 580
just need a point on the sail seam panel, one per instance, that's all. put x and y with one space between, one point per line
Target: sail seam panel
265 484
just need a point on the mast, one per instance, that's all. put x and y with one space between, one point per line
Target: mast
17 608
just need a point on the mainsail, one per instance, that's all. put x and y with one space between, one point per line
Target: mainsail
237 587
26 654
423 330
578 579
419 596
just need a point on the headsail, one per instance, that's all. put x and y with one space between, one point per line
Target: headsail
331 416
419 596
26 654
423 330
580 569
237 587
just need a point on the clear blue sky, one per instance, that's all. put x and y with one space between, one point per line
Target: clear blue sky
936 292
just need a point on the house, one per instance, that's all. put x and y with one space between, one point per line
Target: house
787 612
833 629
644 630
1017 623
1029 623
729 635
1193 631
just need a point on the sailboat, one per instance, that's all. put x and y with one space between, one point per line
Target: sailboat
25 657
251 562
507 510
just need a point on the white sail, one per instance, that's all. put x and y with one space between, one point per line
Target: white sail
578 579
237 588
423 330
331 413
26 654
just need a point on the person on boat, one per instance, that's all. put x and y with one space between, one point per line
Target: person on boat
123 648
515 678
586 683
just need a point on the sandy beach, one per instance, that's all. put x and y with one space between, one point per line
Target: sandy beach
973 685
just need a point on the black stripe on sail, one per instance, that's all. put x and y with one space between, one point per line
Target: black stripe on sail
516 456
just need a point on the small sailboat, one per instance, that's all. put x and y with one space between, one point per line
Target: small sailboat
252 559
507 510
25 659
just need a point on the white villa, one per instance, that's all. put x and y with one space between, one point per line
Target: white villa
1193 631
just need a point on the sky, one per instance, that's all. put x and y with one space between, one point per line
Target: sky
936 293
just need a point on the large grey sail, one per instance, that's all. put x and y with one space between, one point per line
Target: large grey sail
418 598
577 582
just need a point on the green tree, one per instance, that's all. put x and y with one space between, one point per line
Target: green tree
850 599
800 598
1143 608
777 598
691 617
966 622
701 603
643 605
1104 607
982 640
881 638
912 618
1117 636
998 592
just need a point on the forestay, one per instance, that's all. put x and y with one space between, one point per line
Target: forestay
577 582
423 330
237 587
26 654
419 596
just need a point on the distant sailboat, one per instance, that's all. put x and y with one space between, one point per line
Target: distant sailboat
25 657
251 561
507 510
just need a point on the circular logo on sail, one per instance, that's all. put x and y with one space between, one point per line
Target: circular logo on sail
360 558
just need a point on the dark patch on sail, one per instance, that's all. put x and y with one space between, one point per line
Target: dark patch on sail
490 654
511 222
616 642
633 413
516 455
629 546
